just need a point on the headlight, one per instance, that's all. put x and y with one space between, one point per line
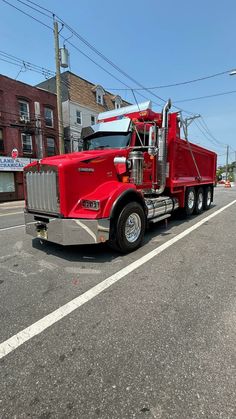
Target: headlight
121 165
93 205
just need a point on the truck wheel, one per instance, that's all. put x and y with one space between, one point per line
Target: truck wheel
207 198
199 201
130 227
190 201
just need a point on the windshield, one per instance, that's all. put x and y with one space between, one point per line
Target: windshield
102 140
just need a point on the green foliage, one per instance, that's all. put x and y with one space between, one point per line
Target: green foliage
231 171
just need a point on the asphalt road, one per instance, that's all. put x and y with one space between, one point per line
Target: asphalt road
158 343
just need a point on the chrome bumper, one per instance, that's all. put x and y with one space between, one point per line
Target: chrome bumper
67 231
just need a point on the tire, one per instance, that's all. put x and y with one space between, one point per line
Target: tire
199 201
208 195
129 228
190 201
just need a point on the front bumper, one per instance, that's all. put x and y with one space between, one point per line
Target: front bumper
67 231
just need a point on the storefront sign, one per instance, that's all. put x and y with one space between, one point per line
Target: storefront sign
7 164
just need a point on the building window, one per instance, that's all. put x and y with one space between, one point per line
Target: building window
27 144
99 99
79 117
1 141
118 102
50 147
48 117
99 95
7 183
24 111
93 119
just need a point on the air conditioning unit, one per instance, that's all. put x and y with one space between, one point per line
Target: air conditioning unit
24 118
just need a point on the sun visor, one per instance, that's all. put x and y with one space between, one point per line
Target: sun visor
120 125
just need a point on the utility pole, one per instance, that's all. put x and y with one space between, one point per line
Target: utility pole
227 161
58 86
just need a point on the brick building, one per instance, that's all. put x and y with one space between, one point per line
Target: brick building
82 101
29 123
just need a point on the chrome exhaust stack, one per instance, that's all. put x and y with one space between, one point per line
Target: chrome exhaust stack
162 149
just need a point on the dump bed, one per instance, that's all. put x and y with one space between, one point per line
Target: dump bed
189 164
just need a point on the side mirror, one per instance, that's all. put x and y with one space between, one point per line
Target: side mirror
152 140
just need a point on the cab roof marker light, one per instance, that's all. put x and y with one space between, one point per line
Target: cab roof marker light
126 110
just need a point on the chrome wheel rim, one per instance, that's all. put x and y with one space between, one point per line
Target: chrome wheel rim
132 227
200 201
208 198
191 199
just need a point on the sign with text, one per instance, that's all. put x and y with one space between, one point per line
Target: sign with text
13 165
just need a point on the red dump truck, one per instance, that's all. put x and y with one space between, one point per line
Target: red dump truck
134 169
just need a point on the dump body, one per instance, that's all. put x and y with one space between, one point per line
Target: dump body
134 169
187 163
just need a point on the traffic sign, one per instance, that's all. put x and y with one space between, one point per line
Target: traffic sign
14 153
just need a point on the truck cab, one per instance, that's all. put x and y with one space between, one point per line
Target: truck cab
128 174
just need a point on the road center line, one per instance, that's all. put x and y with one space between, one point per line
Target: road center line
38 327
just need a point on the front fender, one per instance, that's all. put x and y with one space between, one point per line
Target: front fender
107 193
115 195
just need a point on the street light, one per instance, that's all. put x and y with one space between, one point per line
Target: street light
233 73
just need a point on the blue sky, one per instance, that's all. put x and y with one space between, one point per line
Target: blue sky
155 42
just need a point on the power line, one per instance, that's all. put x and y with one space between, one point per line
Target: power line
41 7
37 10
30 66
209 137
70 43
41 70
27 14
19 62
94 49
163 86
127 87
203 122
5 56
20 65
88 44
115 67
205 97
204 133
78 49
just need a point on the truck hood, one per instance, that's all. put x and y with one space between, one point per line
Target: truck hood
80 174
82 156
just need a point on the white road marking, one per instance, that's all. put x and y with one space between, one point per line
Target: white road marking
4 206
10 228
38 327
11 213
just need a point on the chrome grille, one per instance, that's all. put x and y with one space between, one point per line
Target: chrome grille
42 194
